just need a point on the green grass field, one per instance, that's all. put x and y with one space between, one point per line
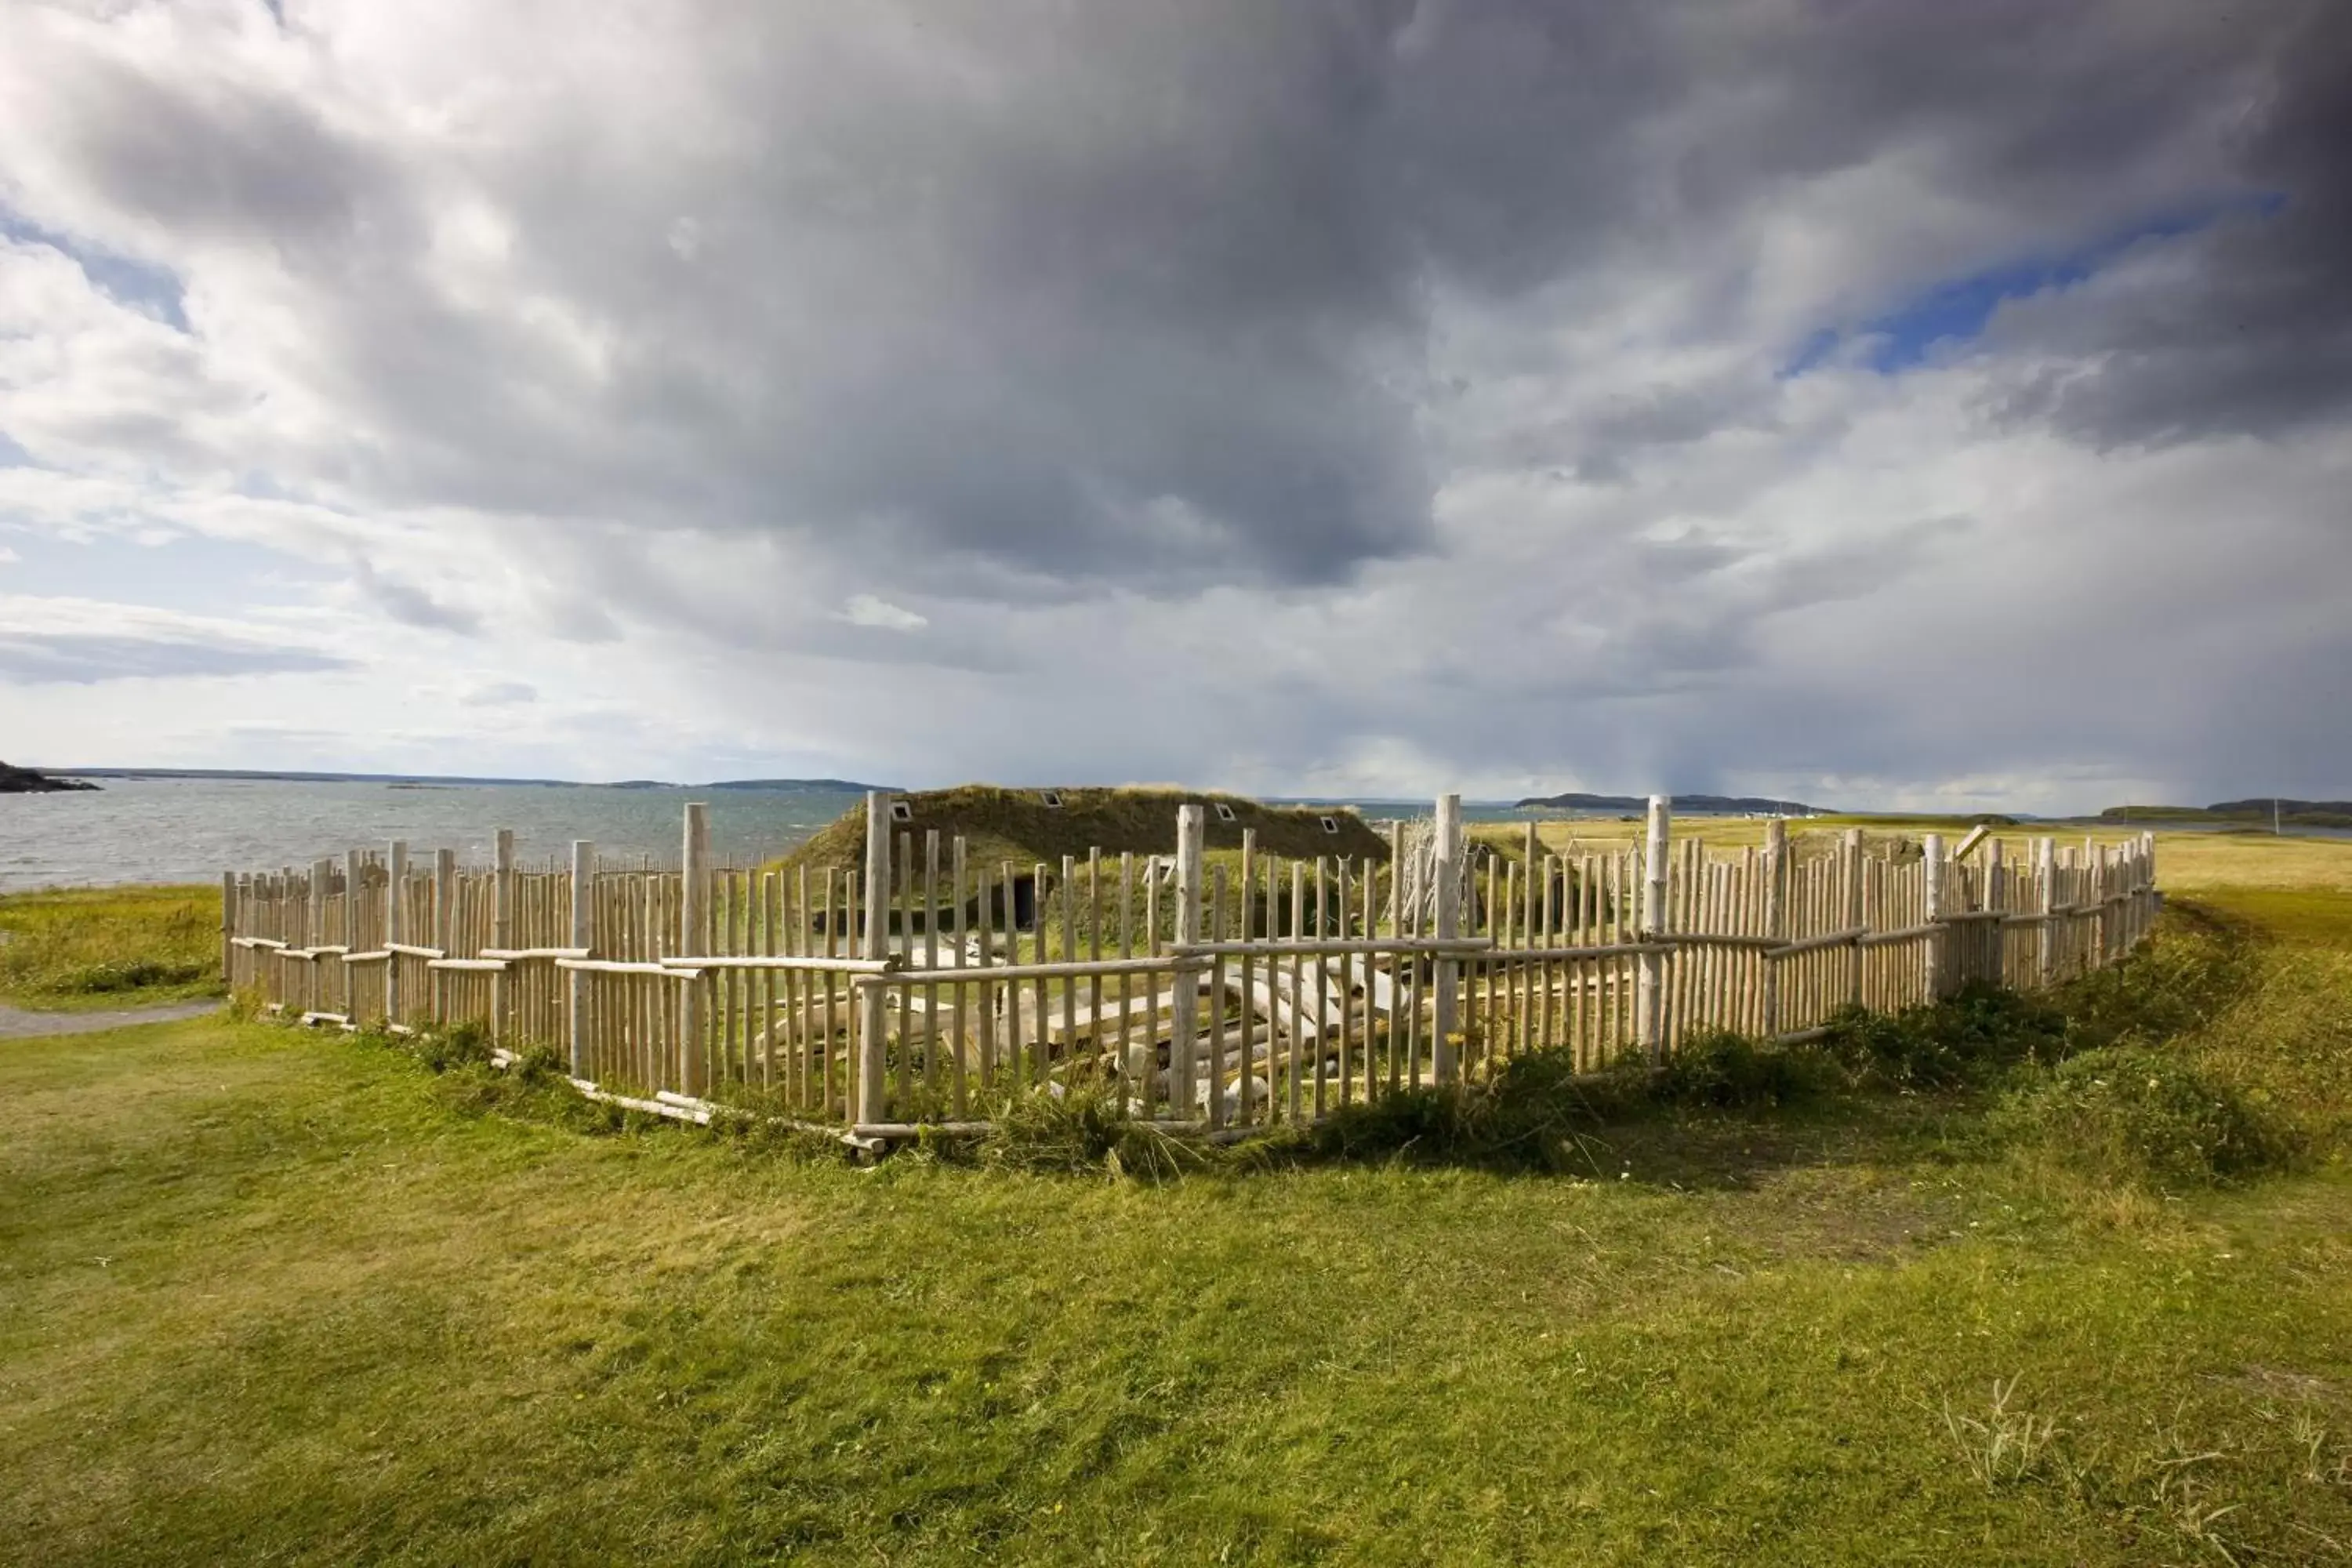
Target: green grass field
108 947
274 1296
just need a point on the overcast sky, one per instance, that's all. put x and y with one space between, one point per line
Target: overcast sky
1878 404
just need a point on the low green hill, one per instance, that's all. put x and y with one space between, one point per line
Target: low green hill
1016 824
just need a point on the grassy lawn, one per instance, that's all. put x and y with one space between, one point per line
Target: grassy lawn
108 947
287 1297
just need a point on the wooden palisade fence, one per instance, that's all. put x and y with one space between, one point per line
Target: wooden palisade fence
1221 992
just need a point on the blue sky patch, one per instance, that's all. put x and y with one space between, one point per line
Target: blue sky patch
1956 310
151 290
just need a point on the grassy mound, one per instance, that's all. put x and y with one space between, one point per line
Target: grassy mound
1000 824
2143 1115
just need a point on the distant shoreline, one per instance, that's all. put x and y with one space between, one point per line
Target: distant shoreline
266 775
2329 816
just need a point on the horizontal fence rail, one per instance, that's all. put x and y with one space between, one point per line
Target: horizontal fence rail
1225 992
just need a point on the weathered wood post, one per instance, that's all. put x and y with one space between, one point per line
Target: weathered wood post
1932 869
1776 915
1446 870
445 925
577 1022
228 926
693 939
322 871
2045 878
2146 884
2094 870
354 869
1857 872
1191 828
1650 984
501 926
395 924
1996 907
874 945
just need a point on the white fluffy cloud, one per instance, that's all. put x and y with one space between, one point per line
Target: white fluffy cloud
1359 398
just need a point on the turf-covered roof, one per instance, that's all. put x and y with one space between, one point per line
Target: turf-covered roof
1016 824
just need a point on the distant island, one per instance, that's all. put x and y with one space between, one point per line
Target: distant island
26 781
1694 804
2289 813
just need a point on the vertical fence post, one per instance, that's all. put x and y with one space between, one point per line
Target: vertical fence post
445 925
354 867
874 944
2147 885
2045 878
2094 865
1776 915
395 924
1650 988
1997 957
321 869
1191 828
227 925
694 939
1857 909
1446 871
583 935
501 926
1932 880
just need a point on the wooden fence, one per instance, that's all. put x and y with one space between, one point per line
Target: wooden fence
1221 991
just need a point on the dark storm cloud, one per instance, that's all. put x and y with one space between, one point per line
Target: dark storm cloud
2244 328
1496 380
1137 293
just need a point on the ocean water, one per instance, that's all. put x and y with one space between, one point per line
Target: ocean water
191 830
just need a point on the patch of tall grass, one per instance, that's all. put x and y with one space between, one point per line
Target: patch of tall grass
108 946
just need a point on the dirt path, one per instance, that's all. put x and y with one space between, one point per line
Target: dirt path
16 1024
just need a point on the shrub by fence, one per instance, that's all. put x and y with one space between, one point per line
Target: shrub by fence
1222 991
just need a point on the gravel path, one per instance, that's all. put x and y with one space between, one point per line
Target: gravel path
16 1024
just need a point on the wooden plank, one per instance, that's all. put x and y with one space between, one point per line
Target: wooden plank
1069 900
905 871
1349 1052
874 944
1191 827
1446 864
962 938
931 961
1393 1037
578 1024
1124 1068
1295 1076
1216 1110
1322 1003
1095 927
1373 980
1040 1065
693 937
1649 1022
992 997
1012 991
1933 868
